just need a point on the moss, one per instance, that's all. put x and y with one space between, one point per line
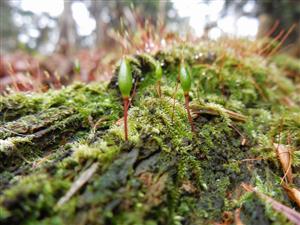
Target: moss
32 198
287 62
92 100
164 174
16 105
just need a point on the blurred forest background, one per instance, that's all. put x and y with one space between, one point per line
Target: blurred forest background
50 39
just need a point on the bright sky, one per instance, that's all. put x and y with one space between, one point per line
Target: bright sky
85 23
53 7
197 11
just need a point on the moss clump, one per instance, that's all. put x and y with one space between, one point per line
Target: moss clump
164 174
289 64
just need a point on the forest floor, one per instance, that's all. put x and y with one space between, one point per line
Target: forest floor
64 160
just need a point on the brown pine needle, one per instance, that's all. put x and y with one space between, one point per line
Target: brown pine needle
11 74
284 155
283 40
289 213
83 178
273 28
293 193
237 218
269 45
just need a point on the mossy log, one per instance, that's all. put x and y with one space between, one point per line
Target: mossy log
31 135
64 160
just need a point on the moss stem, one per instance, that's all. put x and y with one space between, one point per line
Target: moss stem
126 104
174 100
187 106
159 88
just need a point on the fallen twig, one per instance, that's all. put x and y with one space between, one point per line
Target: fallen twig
291 214
293 193
284 155
200 109
83 178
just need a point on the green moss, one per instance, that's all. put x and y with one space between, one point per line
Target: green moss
164 174
287 62
32 198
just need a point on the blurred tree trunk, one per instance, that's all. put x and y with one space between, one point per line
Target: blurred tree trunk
298 44
67 33
8 29
162 11
97 11
265 24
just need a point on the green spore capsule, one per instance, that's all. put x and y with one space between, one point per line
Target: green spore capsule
158 71
185 78
125 78
186 82
77 66
125 85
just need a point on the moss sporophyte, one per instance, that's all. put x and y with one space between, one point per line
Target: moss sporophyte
125 85
158 76
186 83
77 67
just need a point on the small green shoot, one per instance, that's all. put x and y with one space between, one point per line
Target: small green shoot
186 82
125 85
77 67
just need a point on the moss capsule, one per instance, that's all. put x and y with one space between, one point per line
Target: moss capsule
185 78
77 66
186 83
125 85
125 78
158 71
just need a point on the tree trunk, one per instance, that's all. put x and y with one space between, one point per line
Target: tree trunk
162 12
67 31
265 23
96 10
